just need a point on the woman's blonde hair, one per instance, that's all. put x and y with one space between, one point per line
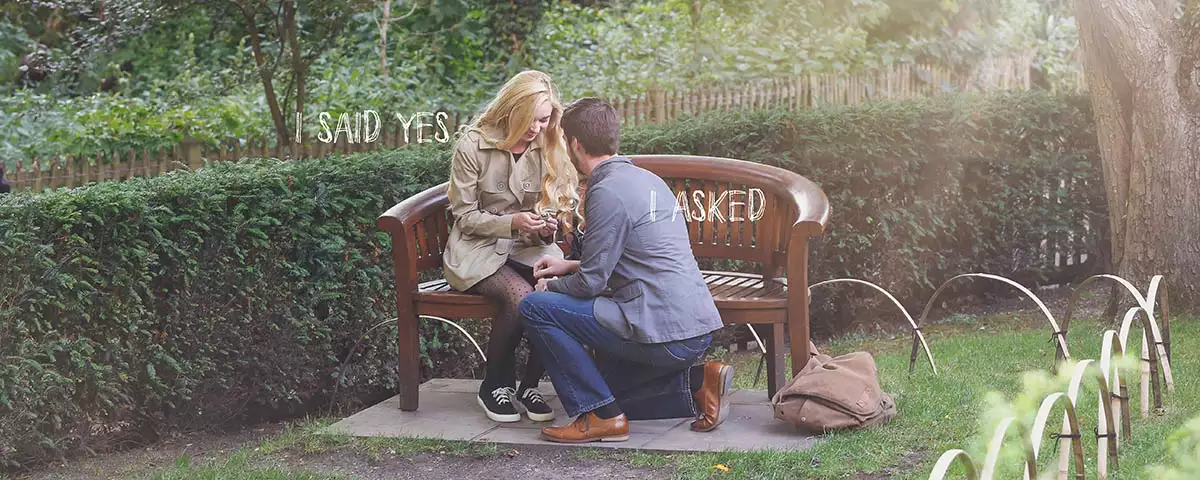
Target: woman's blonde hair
512 112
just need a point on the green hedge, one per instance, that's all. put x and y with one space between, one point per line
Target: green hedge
237 292
922 190
197 299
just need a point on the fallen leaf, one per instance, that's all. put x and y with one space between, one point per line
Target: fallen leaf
721 467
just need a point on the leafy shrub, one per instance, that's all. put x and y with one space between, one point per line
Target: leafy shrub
225 295
238 292
925 189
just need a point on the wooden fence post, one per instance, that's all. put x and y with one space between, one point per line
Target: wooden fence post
658 101
37 175
189 149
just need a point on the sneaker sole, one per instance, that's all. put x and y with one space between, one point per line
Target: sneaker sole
540 417
498 417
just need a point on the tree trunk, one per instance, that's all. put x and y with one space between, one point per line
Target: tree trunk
299 65
383 28
1139 65
281 131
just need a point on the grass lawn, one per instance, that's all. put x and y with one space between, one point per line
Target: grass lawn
974 356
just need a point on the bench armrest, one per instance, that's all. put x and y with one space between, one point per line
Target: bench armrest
400 221
413 209
811 204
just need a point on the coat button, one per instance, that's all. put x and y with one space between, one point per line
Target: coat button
525 185
500 185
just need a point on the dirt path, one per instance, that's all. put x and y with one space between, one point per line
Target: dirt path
523 462
199 446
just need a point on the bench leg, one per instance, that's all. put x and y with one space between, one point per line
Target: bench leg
409 343
776 367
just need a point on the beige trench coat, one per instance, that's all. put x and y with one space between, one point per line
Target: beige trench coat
486 189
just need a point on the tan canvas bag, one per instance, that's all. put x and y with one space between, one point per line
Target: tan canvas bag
834 394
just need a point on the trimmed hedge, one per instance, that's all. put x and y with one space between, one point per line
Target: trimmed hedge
197 299
922 190
237 292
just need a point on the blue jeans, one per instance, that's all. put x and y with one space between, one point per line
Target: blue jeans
648 381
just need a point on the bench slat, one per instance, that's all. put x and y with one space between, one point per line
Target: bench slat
731 290
421 232
743 287
738 287
720 227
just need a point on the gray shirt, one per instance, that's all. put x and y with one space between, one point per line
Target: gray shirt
637 246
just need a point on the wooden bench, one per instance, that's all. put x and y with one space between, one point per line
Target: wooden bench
778 210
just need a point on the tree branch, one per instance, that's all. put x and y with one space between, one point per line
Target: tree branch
410 12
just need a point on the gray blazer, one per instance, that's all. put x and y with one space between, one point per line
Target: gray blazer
645 258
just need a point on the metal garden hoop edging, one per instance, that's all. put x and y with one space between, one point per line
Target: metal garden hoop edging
997 442
358 344
1106 439
1059 334
1147 302
948 458
1149 359
461 329
1070 430
918 336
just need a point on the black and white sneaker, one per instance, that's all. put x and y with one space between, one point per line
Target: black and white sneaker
498 404
536 406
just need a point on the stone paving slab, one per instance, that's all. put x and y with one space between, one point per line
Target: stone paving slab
449 411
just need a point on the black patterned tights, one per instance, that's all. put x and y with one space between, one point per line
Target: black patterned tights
507 287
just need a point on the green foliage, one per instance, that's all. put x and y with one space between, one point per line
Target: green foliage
615 51
1184 448
625 48
199 299
186 69
238 291
1023 407
921 190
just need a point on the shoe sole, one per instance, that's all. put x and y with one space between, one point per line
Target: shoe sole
498 417
540 417
613 438
537 417
726 387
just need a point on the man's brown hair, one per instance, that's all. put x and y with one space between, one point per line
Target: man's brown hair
594 123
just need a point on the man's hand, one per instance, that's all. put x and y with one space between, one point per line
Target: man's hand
548 266
542 284
528 222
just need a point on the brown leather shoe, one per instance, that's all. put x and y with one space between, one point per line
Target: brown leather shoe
711 403
589 428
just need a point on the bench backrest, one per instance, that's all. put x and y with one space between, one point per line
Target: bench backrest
734 210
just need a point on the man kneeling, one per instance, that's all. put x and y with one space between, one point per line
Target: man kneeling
649 334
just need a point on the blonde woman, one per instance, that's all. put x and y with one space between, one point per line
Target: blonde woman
512 186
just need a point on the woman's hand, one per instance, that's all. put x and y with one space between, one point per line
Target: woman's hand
552 267
528 222
551 226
